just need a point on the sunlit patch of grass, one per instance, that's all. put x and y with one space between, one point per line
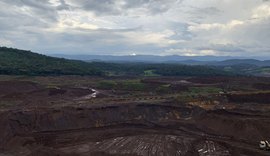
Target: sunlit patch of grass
164 88
150 73
131 85
107 84
197 93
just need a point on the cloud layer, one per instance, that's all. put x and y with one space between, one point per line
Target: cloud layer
123 27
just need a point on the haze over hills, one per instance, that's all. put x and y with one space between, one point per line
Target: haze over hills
14 61
229 62
21 62
188 60
144 58
239 65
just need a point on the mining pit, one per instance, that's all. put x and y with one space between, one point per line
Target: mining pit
67 120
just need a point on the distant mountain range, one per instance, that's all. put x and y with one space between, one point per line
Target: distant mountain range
143 58
238 65
187 60
229 62
22 62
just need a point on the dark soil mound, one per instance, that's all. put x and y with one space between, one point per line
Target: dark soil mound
9 87
254 97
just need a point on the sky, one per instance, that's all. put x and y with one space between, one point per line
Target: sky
137 27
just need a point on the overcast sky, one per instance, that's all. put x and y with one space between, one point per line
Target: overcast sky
126 27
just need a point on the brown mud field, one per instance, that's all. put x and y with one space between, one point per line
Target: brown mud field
74 116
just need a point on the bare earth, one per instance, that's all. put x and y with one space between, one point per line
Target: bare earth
41 116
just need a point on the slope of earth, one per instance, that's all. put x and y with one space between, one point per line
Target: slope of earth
57 116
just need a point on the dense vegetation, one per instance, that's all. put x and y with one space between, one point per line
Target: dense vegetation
162 69
21 62
247 69
17 62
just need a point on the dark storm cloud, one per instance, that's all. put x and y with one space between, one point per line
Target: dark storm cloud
43 9
118 7
63 5
39 4
12 19
99 7
212 11
153 6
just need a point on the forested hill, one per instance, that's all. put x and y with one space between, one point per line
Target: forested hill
161 69
21 62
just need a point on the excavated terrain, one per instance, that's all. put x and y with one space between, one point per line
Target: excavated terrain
75 120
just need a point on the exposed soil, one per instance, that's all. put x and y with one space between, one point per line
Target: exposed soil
60 120
250 97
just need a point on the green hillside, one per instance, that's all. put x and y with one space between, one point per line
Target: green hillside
162 69
21 62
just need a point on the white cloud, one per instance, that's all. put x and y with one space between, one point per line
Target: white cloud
5 42
190 52
263 11
232 24
72 20
184 27
161 39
